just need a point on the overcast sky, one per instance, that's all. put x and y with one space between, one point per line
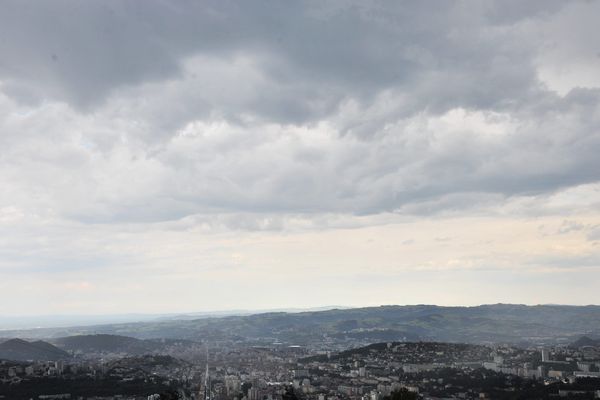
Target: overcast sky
170 156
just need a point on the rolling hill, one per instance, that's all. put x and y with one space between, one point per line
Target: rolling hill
21 350
585 341
98 344
104 343
542 324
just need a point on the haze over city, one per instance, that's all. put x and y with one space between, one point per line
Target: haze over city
170 157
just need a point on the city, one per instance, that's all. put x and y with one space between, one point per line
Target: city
106 366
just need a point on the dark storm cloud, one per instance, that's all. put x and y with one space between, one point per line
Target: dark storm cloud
79 52
144 111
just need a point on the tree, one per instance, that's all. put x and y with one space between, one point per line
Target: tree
403 394
289 394
169 395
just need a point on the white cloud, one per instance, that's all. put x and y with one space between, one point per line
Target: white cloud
170 139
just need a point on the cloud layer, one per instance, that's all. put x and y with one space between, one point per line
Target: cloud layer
235 117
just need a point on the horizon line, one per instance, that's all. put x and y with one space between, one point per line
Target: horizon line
249 311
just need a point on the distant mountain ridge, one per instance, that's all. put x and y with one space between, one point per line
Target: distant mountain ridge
21 350
496 323
107 343
27 322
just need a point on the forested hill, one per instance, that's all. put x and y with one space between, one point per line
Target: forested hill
22 350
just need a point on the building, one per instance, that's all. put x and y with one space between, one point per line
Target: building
545 355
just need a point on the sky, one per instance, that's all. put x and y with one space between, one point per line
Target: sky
180 156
